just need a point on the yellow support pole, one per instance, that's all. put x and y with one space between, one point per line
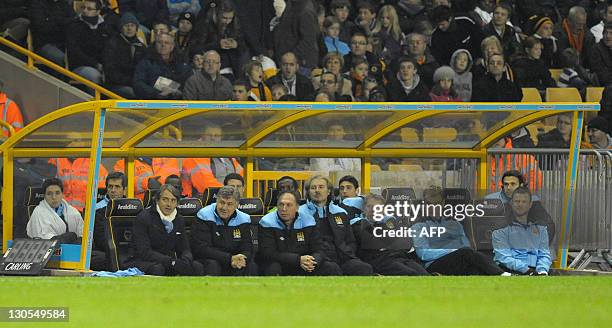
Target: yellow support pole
248 177
7 199
366 177
569 192
483 173
129 173
95 159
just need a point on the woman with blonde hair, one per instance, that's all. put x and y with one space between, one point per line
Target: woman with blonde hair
388 30
489 46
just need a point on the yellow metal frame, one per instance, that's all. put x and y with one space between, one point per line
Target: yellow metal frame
288 113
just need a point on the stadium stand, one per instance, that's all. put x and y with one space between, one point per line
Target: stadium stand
563 95
531 95
594 94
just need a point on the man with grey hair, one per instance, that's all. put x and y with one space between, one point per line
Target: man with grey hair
221 237
415 46
338 240
573 32
208 84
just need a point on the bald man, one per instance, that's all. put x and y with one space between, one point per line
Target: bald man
208 84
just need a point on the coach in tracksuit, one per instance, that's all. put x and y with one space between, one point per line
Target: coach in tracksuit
290 243
221 237
338 240
522 246
387 255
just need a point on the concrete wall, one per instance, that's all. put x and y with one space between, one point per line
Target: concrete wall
36 92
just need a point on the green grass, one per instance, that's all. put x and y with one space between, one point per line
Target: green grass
318 302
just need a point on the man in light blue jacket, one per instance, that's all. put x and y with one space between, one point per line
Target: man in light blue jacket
522 246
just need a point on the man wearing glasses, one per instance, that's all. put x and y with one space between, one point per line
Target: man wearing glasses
558 137
208 84
359 49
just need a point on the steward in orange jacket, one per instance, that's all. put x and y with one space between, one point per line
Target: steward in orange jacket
200 173
10 113
146 168
74 175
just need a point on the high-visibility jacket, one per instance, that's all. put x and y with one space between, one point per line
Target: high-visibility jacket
199 174
74 176
10 114
526 164
161 167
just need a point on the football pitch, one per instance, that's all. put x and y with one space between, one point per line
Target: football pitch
317 301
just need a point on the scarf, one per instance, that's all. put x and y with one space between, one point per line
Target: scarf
576 44
166 219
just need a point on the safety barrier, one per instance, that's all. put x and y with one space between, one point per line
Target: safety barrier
592 217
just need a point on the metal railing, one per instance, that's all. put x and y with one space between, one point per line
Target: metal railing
592 217
34 58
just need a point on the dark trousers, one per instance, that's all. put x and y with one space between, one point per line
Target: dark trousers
399 267
356 267
181 268
324 269
464 261
214 268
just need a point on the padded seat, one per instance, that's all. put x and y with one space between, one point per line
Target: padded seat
188 208
120 215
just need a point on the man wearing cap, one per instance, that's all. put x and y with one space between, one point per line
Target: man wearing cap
184 35
121 54
453 33
598 131
10 112
297 84
600 57
208 84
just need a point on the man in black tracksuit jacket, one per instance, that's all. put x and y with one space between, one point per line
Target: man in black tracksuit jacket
338 240
221 238
387 255
290 243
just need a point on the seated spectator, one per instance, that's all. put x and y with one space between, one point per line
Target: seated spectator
598 131
559 137
235 181
335 135
387 255
49 20
453 33
329 86
542 29
121 55
331 27
161 247
290 242
197 60
601 57
501 28
54 218
333 63
366 16
162 73
159 28
448 253
297 84
176 8
522 246
13 20
221 238
494 86
443 89
297 31
357 75
598 29
489 46
116 186
240 91
185 36
85 42
359 49
202 173
416 48
529 70
461 62
223 34
407 85
258 91
388 29
324 96
333 222
573 75
572 32
208 84
10 112
341 10
279 91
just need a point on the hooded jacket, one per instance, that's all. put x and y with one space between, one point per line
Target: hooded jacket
462 82
418 92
